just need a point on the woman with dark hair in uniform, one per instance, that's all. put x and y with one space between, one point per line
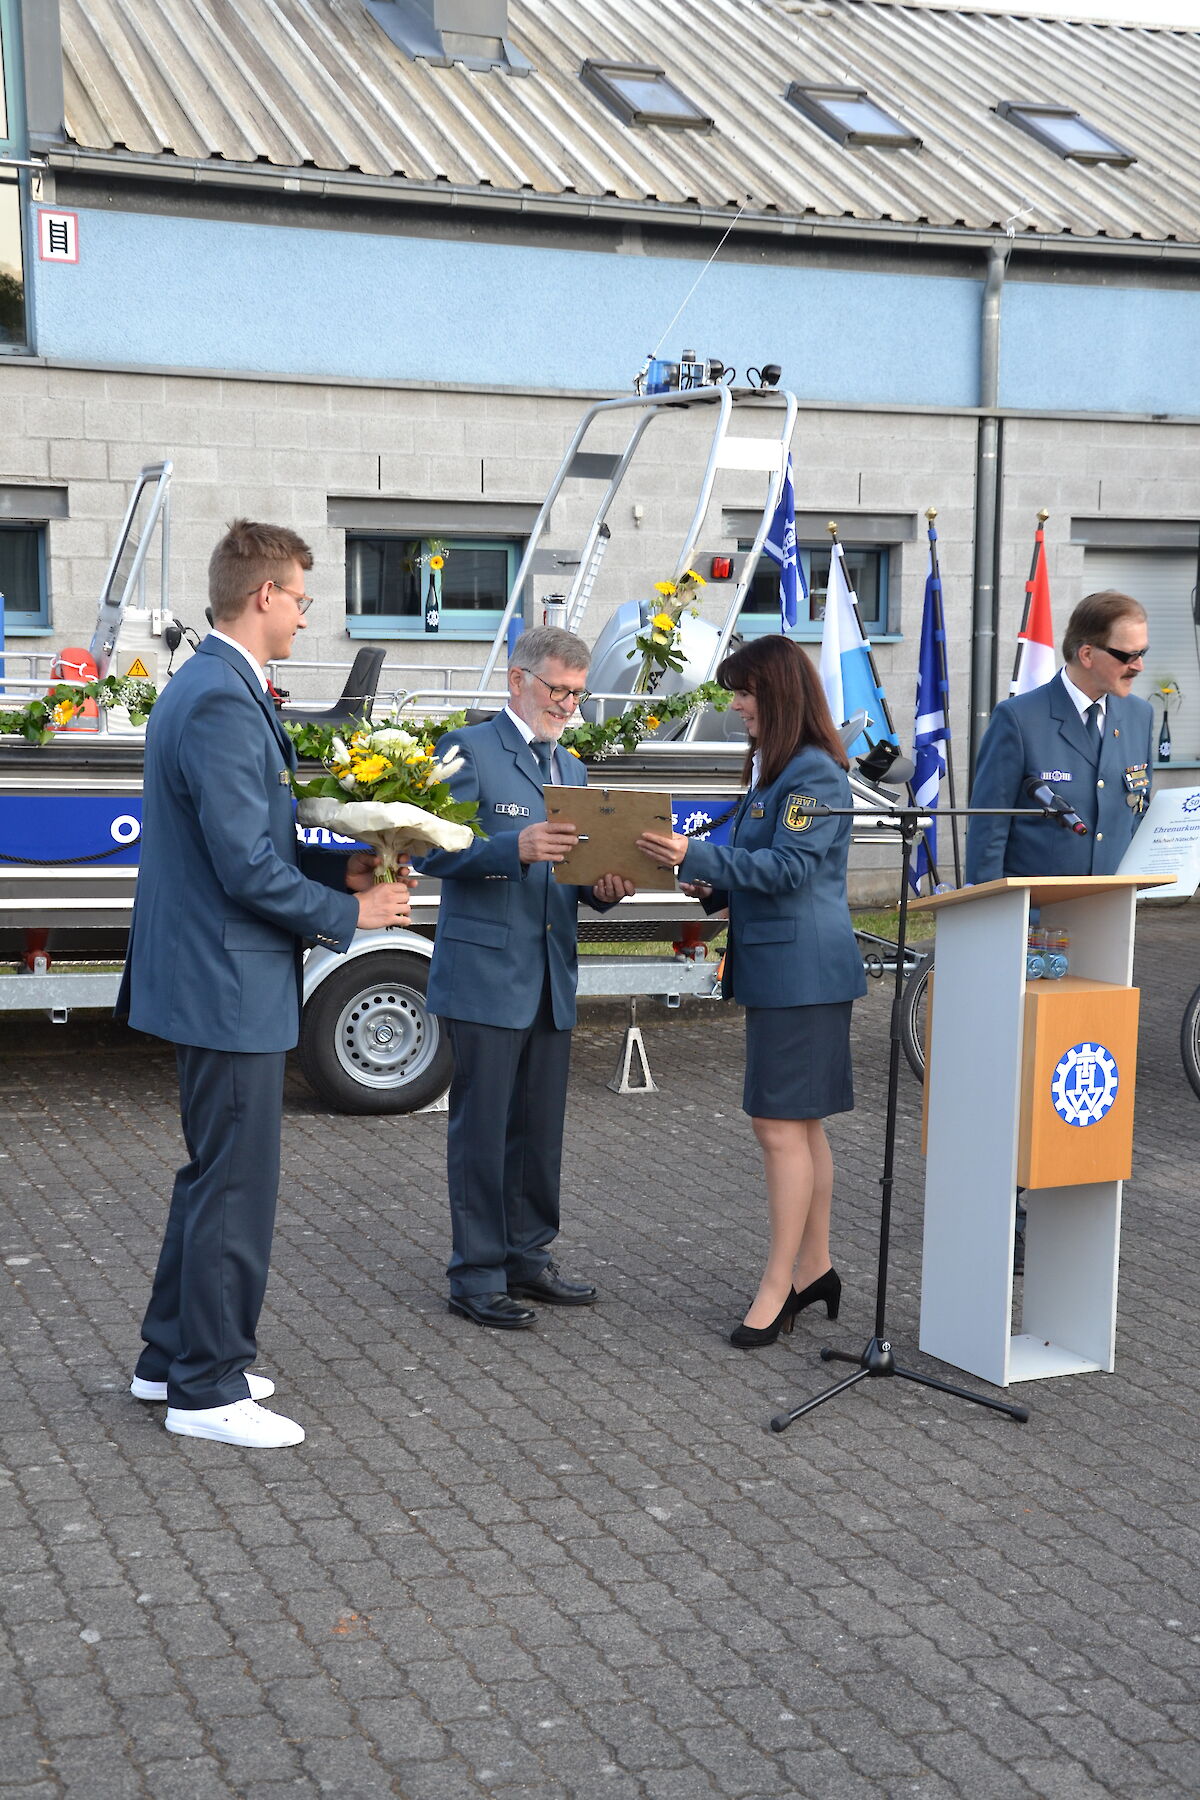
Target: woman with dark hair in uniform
792 960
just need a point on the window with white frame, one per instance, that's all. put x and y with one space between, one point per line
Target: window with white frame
389 577
23 579
867 566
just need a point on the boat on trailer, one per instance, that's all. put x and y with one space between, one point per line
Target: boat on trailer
70 811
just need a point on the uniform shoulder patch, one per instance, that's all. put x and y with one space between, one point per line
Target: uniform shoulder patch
798 813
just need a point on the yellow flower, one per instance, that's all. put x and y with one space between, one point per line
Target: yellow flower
663 622
574 753
698 579
437 562
665 587
63 713
652 723
371 769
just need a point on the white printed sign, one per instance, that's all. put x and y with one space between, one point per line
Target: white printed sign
58 236
1167 842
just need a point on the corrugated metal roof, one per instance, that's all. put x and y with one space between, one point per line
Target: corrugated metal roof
317 85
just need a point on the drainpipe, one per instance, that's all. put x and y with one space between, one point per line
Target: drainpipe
985 614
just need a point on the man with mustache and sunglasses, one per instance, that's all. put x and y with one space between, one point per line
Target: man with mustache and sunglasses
1084 735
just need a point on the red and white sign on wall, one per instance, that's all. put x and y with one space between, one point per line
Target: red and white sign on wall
58 236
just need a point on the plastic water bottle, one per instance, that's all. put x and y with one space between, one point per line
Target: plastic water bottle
1035 954
1058 945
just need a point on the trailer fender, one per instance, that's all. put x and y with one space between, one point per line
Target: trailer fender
320 962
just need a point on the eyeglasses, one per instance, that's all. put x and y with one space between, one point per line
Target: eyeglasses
303 601
559 694
1123 656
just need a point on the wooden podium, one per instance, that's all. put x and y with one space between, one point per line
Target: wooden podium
1031 1083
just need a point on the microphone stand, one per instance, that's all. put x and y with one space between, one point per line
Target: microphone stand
878 1358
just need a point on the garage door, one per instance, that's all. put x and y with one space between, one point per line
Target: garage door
1165 583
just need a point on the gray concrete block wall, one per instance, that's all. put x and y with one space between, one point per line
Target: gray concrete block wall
280 449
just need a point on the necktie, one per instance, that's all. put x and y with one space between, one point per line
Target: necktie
1093 724
543 750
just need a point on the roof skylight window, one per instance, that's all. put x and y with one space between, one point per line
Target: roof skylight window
849 115
1061 129
643 95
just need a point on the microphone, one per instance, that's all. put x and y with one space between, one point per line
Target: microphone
1055 805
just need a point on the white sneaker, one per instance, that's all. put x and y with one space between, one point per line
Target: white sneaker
243 1422
260 1388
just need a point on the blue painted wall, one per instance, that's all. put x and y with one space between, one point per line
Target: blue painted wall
203 294
1093 349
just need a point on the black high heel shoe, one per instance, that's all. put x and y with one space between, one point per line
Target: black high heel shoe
827 1287
754 1337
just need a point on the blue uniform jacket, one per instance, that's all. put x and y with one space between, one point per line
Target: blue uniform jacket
221 906
783 877
1042 734
501 922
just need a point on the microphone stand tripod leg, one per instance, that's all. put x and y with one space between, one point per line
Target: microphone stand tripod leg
877 1359
1020 1413
781 1421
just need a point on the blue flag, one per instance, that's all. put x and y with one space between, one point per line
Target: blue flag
780 546
847 674
931 733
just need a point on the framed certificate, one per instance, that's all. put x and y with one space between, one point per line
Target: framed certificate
609 822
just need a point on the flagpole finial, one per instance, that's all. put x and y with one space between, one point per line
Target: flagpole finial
832 528
931 513
1043 515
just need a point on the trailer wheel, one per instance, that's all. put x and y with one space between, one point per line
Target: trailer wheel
368 1044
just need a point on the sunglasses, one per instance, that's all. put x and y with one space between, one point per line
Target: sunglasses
1123 656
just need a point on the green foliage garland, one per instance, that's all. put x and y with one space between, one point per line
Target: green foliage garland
36 721
592 743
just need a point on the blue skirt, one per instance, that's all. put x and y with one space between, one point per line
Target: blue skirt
798 1061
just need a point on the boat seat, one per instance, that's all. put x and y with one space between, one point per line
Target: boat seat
356 700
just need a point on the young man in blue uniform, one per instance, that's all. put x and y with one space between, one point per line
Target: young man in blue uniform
503 978
1085 735
222 911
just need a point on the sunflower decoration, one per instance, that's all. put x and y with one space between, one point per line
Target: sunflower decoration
433 562
658 643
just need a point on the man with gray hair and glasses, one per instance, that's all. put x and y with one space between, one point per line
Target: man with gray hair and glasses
503 979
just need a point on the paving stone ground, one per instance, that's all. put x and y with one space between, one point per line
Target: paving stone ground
574 1564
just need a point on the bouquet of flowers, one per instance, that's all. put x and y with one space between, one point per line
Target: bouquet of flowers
658 645
386 787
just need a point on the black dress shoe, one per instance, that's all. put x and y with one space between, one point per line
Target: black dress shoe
493 1309
553 1288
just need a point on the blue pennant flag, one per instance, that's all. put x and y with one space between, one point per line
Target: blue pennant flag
780 546
932 730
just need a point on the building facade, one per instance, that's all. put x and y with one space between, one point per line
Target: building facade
358 266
